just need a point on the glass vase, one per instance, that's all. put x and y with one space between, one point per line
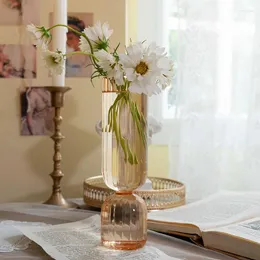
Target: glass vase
124 214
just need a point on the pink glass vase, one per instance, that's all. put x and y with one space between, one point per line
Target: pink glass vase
124 214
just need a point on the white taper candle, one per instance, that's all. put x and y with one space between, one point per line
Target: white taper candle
59 36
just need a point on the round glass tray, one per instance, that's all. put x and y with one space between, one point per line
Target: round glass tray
166 193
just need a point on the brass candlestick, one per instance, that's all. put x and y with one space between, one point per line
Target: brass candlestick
57 101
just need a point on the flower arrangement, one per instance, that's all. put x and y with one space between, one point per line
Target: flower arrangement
143 69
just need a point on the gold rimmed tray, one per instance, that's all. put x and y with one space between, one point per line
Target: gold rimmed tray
166 193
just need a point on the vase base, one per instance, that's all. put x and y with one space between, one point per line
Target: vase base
124 222
124 245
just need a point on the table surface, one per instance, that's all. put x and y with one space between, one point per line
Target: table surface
36 212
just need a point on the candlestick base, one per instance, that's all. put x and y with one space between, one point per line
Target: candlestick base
58 200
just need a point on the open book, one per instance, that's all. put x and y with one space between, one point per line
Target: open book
81 241
227 222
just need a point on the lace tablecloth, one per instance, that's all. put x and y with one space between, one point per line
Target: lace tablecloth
32 212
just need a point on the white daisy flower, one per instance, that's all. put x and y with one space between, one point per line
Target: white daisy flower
105 60
54 61
167 71
98 35
164 63
147 68
153 49
40 37
99 32
140 69
108 63
84 45
117 74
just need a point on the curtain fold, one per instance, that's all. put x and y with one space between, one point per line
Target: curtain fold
218 92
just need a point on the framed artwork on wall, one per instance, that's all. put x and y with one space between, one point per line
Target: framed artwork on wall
17 61
16 12
36 111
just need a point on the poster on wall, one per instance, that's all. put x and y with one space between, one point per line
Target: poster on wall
36 111
17 12
17 61
77 65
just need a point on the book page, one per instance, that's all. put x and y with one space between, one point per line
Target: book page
217 210
81 241
249 230
242 239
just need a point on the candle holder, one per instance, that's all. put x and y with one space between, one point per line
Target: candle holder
57 101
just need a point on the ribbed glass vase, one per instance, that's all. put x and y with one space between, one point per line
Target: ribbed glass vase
124 214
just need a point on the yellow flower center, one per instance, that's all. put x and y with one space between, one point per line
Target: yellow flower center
141 68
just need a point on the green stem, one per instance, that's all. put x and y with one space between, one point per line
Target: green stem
66 26
123 100
79 52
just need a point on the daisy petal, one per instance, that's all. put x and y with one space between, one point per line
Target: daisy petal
130 74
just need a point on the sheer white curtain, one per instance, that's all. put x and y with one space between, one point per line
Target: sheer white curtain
218 96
